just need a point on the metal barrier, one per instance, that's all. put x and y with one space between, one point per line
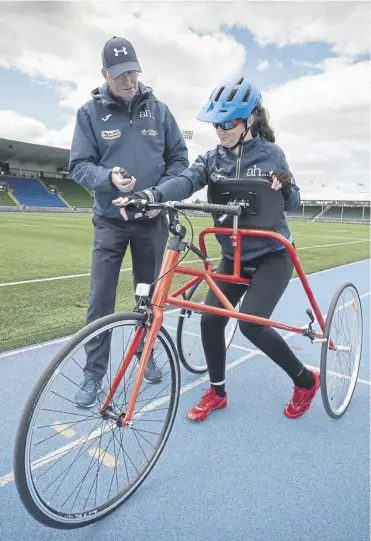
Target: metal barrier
41 210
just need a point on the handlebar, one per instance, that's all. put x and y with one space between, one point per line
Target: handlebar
141 205
232 210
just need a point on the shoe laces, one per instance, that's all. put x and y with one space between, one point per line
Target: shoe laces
89 385
299 396
152 365
207 399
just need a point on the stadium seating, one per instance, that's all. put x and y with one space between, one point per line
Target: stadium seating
333 213
298 212
75 195
310 211
352 213
31 193
6 201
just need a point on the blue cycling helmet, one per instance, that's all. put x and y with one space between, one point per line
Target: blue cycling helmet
231 99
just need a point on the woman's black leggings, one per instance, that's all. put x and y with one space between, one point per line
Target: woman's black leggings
272 275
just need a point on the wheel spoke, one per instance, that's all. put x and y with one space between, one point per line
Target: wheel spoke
104 462
340 367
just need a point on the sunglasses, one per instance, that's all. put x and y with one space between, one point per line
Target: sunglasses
228 124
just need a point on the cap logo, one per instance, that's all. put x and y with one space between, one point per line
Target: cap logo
118 51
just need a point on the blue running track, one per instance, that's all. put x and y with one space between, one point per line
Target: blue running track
245 474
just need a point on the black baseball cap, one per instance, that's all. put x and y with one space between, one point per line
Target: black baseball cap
118 56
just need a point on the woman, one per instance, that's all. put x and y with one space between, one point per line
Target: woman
246 149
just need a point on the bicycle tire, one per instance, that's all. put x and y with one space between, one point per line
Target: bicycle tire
326 399
37 509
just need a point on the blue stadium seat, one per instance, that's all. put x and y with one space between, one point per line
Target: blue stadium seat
31 193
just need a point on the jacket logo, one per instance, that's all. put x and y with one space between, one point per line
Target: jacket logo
217 176
145 114
149 132
106 118
118 51
111 134
254 172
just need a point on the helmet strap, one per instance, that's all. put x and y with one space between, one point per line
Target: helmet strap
243 135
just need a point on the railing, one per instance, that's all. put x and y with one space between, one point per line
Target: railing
35 173
78 210
46 209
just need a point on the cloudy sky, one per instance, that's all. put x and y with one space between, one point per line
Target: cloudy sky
311 61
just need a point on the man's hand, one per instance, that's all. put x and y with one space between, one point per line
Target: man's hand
281 181
122 180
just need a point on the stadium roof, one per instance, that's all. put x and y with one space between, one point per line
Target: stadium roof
44 155
29 152
326 197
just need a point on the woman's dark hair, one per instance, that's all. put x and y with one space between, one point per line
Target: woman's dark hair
261 125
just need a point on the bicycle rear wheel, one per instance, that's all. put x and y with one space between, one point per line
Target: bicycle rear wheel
188 339
340 366
74 466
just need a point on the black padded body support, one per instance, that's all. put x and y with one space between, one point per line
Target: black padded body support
266 206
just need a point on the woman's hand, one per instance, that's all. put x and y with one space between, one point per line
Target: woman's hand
124 201
281 181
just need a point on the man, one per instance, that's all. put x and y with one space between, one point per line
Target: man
124 137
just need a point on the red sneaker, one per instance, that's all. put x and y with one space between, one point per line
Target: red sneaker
208 403
302 399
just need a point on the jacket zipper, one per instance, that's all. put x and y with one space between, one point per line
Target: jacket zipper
238 167
132 136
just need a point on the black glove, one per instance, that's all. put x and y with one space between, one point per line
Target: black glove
286 182
146 195
135 199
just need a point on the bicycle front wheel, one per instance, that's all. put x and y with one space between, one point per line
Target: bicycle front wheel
74 466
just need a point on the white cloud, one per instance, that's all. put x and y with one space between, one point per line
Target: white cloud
30 130
263 65
344 25
323 123
322 120
180 64
303 63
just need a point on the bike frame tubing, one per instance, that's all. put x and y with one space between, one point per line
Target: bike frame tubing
161 291
161 297
236 278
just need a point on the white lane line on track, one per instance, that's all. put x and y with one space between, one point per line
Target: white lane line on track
330 245
65 338
101 455
186 262
69 276
63 430
8 478
285 337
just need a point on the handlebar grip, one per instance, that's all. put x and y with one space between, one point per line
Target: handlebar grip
231 210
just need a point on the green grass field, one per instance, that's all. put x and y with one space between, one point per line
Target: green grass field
46 246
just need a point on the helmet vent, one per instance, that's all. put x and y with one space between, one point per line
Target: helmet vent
232 94
247 95
240 81
219 93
